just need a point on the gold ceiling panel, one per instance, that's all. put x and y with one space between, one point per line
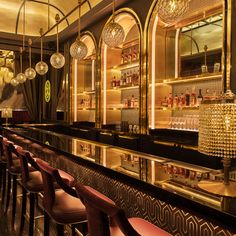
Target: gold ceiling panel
36 15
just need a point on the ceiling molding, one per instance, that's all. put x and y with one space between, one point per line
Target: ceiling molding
39 2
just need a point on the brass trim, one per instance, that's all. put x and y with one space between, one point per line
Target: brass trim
127 137
170 144
107 134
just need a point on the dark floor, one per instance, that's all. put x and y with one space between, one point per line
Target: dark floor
5 220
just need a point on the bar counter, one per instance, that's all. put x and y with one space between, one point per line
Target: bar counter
161 190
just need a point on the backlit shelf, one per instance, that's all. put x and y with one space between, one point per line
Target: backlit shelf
125 66
115 89
197 78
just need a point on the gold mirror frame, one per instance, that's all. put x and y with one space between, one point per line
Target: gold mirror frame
72 71
149 24
142 83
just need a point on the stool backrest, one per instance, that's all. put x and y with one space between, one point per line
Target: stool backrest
48 184
8 149
102 213
26 160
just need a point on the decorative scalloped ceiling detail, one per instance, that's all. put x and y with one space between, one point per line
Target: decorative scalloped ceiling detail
37 14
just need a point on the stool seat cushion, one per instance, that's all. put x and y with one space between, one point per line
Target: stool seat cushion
142 226
35 182
15 169
14 156
67 209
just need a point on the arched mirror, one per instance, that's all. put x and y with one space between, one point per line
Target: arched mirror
120 70
83 84
184 61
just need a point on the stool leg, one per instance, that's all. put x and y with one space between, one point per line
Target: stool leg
8 192
23 210
1 176
3 183
60 230
31 216
73 232
14 194
46 223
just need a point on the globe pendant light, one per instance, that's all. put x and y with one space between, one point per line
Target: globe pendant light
78 50
57 60
171 10
30 72
21 78
113 33
41 67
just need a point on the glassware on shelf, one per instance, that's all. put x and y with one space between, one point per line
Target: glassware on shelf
216 67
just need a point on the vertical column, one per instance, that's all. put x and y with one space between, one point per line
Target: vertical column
233 46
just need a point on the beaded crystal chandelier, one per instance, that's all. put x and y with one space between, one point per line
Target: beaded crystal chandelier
171 10
217 126
113 33
57 60
78 50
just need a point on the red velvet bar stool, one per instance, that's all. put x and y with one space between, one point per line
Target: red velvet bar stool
62 205
33 183
14 170
106 219
3 167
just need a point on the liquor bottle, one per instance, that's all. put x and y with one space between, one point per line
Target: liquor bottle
176 101
129 102
187 97
130 55
125 57
117 82
122 58
124 79
182 100
125 103
132 101
164 102
170 100
121 80
134 55
199 97
193 98
113 82
136 102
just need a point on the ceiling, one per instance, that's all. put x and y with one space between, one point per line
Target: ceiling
36 14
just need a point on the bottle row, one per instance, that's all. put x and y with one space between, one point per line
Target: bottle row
87 103
130 54
188 99
129 77
130 102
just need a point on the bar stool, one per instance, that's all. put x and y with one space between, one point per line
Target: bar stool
3 168
106 219
32 182
14 170
62 205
